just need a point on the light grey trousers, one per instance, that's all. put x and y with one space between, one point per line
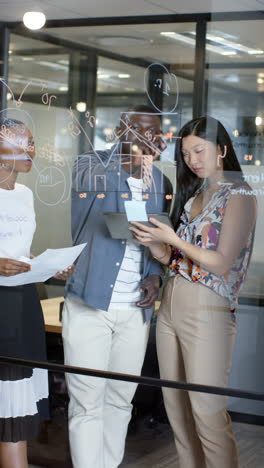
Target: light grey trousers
195 338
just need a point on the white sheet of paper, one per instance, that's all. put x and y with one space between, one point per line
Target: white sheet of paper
136 210
44 266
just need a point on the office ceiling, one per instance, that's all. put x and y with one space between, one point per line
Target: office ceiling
149 41
134 41
13 10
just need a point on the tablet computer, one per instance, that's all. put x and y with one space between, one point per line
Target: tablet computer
118 225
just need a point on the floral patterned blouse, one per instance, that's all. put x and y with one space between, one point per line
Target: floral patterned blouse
204 231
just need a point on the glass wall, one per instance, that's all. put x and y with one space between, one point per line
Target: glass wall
38 95
73 96
47 82
235 74
234 70
73 108
144 54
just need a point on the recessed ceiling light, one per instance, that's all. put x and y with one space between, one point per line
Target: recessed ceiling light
179 37
258 120
81 106
103 75
232 78
233 44
256 52
34 19
220 48
117 41
173 128
229 52
123 75
53 65
107 131
192 41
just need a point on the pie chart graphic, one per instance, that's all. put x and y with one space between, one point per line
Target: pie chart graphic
163 83
50 186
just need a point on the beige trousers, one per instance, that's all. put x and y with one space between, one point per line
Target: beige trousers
195 337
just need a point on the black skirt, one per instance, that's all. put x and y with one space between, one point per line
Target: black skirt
23 390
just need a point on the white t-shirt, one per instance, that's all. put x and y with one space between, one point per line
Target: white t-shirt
126 288
17 222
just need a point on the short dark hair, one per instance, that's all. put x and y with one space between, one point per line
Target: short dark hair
9 122
141 109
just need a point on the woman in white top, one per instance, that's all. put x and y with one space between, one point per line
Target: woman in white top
23 390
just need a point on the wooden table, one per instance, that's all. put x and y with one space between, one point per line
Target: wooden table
51 311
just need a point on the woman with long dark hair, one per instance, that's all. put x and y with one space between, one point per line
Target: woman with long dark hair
208 252
23 390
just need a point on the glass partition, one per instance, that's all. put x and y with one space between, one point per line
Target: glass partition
131 79
105 107
38 90
235 96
